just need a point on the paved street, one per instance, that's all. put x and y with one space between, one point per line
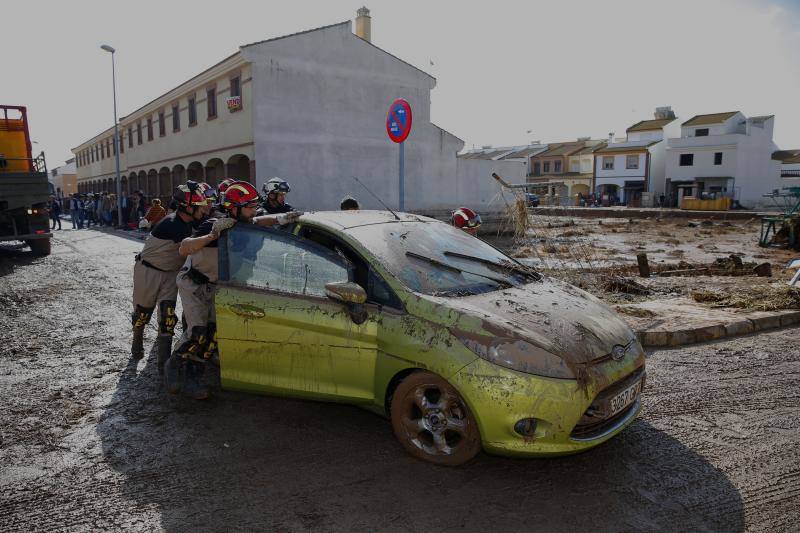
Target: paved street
89 440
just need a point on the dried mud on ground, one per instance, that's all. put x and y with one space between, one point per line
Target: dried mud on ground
89 440
587 252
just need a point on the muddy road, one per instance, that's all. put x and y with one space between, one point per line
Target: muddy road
89 440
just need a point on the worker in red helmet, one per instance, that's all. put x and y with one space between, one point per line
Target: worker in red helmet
156 267
197 286
466 219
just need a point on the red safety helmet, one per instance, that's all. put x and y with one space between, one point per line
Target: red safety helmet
464 217
189 194
240 194
224 184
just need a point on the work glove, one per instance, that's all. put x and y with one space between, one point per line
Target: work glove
286 218
221 224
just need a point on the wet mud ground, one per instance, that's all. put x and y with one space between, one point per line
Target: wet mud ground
89 440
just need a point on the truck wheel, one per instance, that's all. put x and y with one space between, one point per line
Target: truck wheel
40 247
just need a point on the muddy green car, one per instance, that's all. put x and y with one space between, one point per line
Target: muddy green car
460 346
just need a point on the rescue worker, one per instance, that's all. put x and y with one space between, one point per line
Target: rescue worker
157 266
276 190
466 219
197 287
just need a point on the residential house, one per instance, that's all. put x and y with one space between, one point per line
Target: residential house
790 165
632 172
564 170
723 154
65 179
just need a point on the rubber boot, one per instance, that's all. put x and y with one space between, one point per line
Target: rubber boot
192 386
164 348
173 370
137 344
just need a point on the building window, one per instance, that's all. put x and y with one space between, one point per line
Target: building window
574 167
130 137
687 160
102 151
236 88
211 102
192 111
546 166
537 168
701 132
149 128
91 155
113 146
632 161
162 124
176 118
557 166
122 143
608 162
138 133
718 158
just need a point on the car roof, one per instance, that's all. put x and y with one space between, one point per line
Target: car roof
343 220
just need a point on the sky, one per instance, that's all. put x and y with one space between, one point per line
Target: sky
508 73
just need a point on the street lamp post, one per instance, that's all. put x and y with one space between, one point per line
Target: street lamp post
108 48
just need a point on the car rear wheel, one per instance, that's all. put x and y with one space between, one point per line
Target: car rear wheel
432 421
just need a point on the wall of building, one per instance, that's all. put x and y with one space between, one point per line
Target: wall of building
619 169
321 100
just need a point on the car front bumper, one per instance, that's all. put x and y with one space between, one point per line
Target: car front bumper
499 398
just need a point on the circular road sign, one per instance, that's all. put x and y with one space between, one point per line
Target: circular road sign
398 120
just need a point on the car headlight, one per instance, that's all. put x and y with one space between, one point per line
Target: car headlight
518 355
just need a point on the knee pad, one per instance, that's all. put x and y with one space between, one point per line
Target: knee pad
211 340
166 317
193 348
141 316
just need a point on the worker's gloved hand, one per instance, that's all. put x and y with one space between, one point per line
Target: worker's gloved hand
221 224
291 216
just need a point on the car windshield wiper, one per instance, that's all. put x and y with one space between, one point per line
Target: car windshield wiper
512 266
455 269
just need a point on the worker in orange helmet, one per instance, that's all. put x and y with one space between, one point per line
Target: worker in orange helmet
466 219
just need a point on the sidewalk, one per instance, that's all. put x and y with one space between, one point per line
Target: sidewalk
681 321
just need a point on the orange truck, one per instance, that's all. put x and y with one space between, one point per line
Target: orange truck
24 188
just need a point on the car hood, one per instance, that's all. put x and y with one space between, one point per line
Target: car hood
553 315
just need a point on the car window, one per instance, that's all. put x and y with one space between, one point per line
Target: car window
276 260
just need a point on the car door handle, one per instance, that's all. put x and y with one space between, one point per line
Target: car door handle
247 311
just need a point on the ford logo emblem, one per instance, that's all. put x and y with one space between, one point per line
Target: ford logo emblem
618 352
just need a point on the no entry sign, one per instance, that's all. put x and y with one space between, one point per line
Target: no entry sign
398 120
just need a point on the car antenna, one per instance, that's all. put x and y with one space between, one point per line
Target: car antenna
379 200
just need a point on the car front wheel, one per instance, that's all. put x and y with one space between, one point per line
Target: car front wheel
432 421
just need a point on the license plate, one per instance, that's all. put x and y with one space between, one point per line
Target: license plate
625 398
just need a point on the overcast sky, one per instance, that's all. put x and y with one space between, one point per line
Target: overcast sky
560 69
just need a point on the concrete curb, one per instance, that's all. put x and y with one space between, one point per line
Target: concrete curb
661 338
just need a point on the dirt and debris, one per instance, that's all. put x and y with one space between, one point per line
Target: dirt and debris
758 298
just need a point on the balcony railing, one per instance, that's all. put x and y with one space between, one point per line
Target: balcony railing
790 173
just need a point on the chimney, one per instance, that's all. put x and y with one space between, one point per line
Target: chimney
611 137
364 24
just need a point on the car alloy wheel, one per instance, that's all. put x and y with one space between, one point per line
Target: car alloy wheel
432 421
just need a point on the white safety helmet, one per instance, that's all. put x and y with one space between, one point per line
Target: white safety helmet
276 185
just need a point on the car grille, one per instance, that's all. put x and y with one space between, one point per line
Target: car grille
594 423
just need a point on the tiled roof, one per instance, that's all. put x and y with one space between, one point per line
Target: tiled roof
647 125
483 155
591 149
713 118
787 156
525 152
557 149
631 146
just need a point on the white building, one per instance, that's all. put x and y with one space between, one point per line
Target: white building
790 166
723 154
309 107
632 172
64 179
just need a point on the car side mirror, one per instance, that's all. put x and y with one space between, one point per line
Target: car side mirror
350 294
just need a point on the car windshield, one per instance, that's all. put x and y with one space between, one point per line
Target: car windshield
437 259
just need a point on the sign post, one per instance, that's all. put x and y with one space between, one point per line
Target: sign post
398 126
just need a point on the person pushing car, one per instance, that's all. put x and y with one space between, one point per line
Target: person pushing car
197 287
157 265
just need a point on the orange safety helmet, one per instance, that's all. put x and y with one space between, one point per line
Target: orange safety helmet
239 194
188 194
224 184
464 217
